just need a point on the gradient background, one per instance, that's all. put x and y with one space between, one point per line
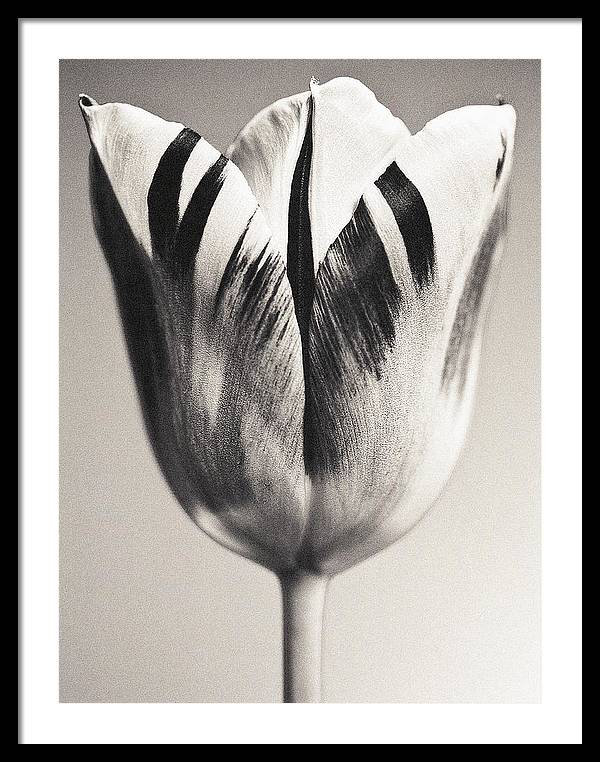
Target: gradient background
151 608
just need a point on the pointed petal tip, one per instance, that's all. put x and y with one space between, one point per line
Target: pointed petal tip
86 104
85 101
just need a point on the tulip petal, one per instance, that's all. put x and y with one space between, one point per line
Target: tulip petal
397 317
209 319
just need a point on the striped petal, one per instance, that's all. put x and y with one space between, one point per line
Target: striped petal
395 331
209 320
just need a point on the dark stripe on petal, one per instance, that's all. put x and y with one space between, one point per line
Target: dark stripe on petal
191 228
501 160
467 321
231 270
355 312
300 265
163 196
251 294
413 221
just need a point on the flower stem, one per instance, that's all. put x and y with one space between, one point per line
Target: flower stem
303 597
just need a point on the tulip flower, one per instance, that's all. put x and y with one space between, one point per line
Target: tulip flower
304 319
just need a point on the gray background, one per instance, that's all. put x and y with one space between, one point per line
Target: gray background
153 610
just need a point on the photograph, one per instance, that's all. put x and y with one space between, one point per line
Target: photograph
300 306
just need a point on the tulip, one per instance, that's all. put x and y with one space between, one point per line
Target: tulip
304 319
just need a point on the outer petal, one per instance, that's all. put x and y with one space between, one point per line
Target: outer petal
460 162
395 332
129 142
208 316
